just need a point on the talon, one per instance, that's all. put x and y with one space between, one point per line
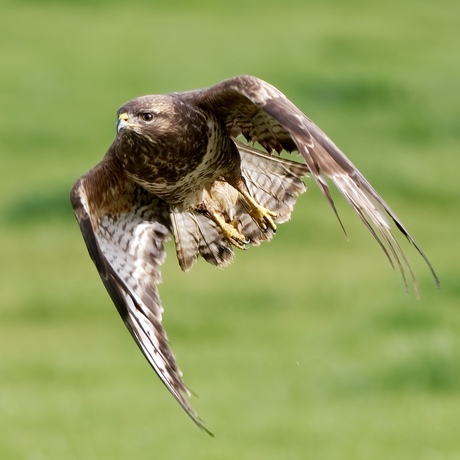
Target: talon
263 216
234 236
230 231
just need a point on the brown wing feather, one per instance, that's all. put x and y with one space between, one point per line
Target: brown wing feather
125 237
260 112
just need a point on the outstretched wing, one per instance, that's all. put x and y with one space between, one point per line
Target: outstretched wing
261 113
125 228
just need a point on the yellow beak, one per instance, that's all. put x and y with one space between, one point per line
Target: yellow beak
122 121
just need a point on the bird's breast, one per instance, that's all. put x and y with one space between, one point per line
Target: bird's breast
177 170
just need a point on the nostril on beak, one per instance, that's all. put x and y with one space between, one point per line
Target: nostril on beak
122 119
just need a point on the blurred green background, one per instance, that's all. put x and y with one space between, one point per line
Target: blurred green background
304 348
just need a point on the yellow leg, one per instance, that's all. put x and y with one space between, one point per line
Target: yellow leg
263 216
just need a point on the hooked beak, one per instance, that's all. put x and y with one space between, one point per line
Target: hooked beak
122 121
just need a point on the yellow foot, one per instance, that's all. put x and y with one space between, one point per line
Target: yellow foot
234 236
230 231
263 216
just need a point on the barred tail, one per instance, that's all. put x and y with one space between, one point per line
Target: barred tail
273 182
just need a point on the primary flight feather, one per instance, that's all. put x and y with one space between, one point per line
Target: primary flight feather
176 169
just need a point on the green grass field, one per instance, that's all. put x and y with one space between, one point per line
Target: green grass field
306 348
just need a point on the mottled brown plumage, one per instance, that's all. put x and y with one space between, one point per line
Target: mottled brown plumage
175 168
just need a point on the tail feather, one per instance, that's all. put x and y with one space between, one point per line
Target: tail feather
195 234
273 182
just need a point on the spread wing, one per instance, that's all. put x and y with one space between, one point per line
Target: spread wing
124 228
261 113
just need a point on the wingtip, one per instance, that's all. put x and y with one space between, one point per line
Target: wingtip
403 230
208 432
200 423
436 279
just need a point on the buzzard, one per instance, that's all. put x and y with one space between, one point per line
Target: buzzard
176 167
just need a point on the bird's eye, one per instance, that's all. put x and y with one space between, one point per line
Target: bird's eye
147 116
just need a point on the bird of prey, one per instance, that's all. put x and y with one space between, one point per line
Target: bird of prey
177 168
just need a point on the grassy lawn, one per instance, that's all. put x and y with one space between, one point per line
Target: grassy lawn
304 348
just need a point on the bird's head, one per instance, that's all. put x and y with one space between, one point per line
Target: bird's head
147 116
